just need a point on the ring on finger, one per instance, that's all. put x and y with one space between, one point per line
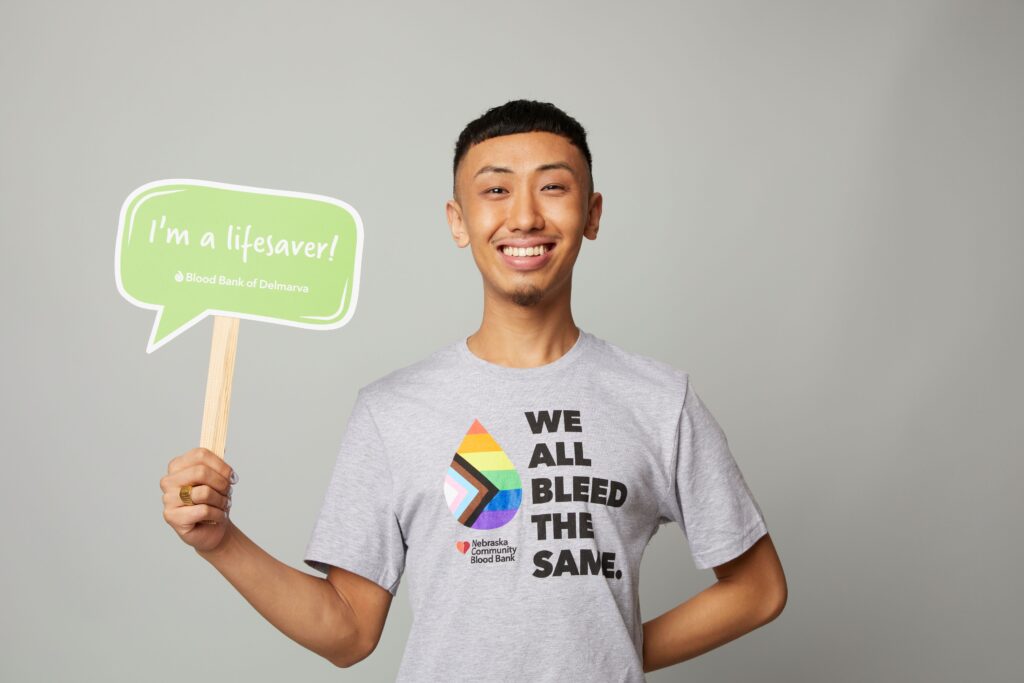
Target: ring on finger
185 493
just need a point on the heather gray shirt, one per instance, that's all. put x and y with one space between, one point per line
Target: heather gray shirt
517 503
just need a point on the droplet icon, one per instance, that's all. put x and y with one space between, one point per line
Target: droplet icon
482 487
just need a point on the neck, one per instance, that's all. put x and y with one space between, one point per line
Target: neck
521 336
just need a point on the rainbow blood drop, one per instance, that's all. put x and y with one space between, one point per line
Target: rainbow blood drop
481 486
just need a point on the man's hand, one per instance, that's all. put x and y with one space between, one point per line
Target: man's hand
203 524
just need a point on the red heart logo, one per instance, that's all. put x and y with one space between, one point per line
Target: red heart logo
462 546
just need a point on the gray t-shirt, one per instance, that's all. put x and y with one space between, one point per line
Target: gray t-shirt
517 502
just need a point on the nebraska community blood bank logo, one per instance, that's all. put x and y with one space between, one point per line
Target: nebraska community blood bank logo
483 491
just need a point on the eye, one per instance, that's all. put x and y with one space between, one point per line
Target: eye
491 190
554 185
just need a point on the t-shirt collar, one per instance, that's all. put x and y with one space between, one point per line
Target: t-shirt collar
566 359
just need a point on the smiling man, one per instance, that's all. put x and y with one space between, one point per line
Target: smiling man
513 477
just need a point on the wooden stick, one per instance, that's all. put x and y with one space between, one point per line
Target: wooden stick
218 384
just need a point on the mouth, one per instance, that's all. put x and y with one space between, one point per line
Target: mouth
526 252
526 258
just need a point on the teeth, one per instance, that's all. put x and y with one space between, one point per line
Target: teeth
524 251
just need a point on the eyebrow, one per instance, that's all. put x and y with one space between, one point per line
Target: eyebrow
543 167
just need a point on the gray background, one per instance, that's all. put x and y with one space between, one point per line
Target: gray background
814 208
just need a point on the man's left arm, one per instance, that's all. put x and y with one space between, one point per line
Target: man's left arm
750 592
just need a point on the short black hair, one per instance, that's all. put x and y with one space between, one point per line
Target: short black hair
522 116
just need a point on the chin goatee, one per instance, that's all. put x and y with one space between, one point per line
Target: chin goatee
527 297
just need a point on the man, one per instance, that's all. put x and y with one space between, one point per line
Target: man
514 476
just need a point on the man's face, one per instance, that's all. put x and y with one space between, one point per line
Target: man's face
524 189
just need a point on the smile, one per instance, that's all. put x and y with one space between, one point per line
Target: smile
537 250
526 258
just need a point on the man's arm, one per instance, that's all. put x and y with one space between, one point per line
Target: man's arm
339 618
750 592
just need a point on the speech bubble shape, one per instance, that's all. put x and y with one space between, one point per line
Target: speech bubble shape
192 248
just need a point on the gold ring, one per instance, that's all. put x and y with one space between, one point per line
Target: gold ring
186 494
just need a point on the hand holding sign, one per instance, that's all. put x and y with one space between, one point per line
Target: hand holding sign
192 248
209 482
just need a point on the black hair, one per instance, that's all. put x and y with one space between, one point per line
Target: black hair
522 116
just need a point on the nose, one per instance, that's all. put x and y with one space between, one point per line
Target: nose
523 212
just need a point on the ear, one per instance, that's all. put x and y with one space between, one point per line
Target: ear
455 223
593 216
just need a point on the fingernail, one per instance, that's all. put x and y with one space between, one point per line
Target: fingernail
228 506
234 476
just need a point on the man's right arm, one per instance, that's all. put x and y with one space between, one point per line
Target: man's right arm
340 617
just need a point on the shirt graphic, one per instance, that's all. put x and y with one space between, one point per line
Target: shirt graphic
482 486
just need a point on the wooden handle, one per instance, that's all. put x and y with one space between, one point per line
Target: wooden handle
218 384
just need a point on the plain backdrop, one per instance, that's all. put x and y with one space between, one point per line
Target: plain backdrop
813 208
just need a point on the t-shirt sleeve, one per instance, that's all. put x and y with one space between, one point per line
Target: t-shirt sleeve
357 528
710 499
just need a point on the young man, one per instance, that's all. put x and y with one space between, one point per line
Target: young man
515 476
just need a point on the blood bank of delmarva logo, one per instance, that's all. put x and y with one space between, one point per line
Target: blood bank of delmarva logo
244 282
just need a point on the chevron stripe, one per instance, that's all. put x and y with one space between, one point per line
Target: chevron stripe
485 490
456 492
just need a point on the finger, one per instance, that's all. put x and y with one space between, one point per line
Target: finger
199 494
196 475
203 456
185 517
186 459
213 461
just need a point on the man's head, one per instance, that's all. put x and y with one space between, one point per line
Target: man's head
522 177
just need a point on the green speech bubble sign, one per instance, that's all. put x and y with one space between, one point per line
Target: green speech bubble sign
193 248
